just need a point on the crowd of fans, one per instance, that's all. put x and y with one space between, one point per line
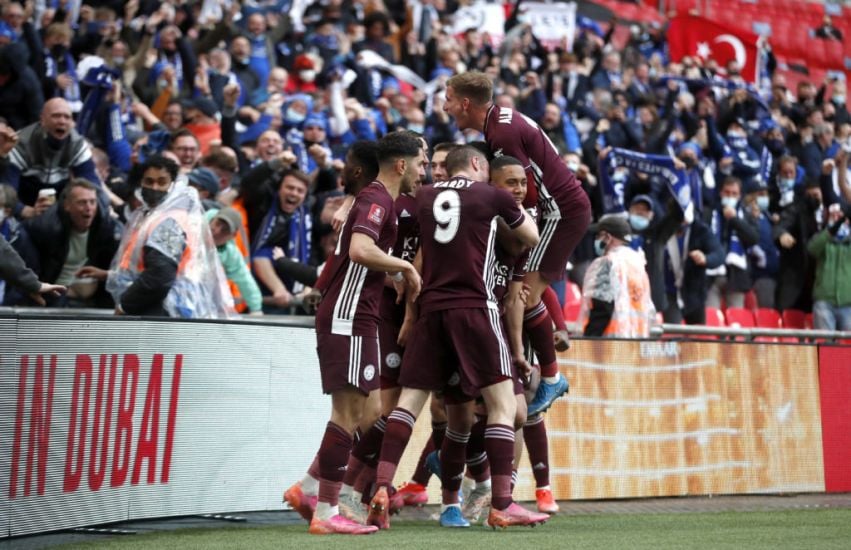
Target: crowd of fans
259 101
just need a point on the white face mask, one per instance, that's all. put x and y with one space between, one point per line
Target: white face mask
729 202
573 166
307 76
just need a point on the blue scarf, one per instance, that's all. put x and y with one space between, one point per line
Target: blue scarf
736 256
100 81
299 236
683 184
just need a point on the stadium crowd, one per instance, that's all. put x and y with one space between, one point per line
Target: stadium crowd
258 102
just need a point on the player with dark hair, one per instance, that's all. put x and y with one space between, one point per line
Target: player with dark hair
458 223
347 321
564 208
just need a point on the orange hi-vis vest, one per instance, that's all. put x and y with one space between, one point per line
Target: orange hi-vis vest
242 244
133 258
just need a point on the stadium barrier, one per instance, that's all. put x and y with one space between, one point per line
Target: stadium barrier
107 419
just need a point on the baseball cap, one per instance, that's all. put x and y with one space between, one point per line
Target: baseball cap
205 105
613 224
206 179
231 217
643 198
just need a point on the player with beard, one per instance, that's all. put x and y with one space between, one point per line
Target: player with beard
563 206
458 220
347 321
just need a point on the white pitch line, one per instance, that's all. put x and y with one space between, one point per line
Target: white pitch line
675 436
643 403
635 369
661 472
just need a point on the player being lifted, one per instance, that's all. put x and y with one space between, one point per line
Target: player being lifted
458 332
347 317
564 209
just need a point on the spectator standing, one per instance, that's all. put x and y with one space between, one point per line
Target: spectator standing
616 298
166 264
831 249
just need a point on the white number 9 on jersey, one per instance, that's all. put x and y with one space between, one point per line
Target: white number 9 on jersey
447 214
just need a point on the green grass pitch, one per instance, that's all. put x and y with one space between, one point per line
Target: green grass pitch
798 529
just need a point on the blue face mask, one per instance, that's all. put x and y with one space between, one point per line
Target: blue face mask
786 184
599 247
737 141
762 202
732 202
638 223
418 128
295 117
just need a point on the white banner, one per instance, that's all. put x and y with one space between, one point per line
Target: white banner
552 22
104 420
487 18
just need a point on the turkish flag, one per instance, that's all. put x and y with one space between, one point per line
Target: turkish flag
698 37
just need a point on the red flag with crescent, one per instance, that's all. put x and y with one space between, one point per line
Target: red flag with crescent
698 37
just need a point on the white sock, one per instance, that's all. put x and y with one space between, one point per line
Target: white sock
444 507
309 485
346 490
486 484
325 511
545 487
550 379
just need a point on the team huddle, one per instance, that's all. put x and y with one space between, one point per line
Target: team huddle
434 292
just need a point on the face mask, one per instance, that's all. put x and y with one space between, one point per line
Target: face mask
152 197
58 50
737 141
638 223
599 247
838 99
786 184
776 146
813 202
729 202
689 162
118 61
762 203
727 170
418 128
573 166
294 116
307 76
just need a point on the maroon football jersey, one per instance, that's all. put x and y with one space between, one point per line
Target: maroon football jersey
510 268
408 235
509 132
407 243
350 304
457 221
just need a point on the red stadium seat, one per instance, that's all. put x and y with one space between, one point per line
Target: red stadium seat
714 317
794 318
738 317
767 318
571 312
572 293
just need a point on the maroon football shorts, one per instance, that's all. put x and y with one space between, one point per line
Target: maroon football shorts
560 234
348 361
466 342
